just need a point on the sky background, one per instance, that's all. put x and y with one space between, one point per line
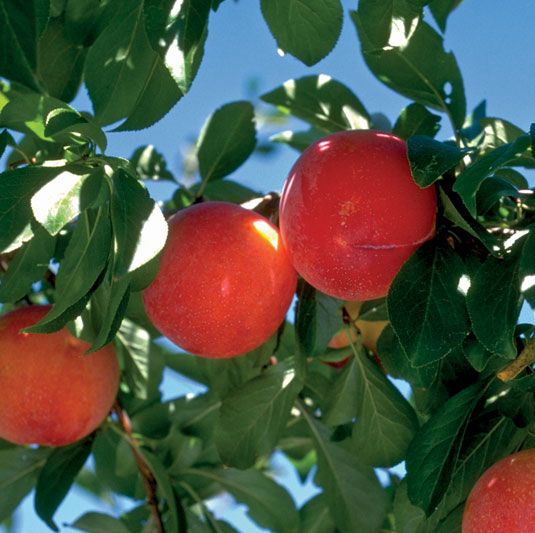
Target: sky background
491 40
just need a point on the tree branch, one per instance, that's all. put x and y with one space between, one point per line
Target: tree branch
525 359
149 482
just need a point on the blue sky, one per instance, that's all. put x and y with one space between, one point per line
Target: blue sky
493 45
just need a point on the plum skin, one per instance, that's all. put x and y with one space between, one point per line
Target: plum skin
225 281
351 214
503 498
53 394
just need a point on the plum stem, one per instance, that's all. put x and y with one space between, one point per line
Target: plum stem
149 481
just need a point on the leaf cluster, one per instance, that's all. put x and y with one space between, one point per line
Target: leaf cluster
79 230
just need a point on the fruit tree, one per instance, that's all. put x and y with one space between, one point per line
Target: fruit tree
310 284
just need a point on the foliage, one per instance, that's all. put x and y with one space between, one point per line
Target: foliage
78 229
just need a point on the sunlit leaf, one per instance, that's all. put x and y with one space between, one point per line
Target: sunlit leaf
408 56
227 139
177 30
28 266
307 30
139 227
322 101
16 189
142 95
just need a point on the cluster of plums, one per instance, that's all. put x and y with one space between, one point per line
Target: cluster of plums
350 216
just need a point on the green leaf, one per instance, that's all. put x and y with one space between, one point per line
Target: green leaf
307 30
415 119
16 189
6 139
19 468
62 122
49 119
513 177
60 62
315 516
150 164
390 22
472 124
227 139
408 517
491 191
493 302
429 455
488 442
139 227
28 266
253 416
229 191
177 30
85 19
185 450
469 181
299 140
196 416
21 23
456 211
527 267
269 504
373 310
321 101
186 365
110 303
98 522
137 518
143 94
476 354
412 62
318 318
159 89
451 523
85 259
524 384
397 363
115 465
58 202
426 304
176 519
353 493
441 10
497 131
57 476
226 374
216 4
386 422
429 159
143 361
